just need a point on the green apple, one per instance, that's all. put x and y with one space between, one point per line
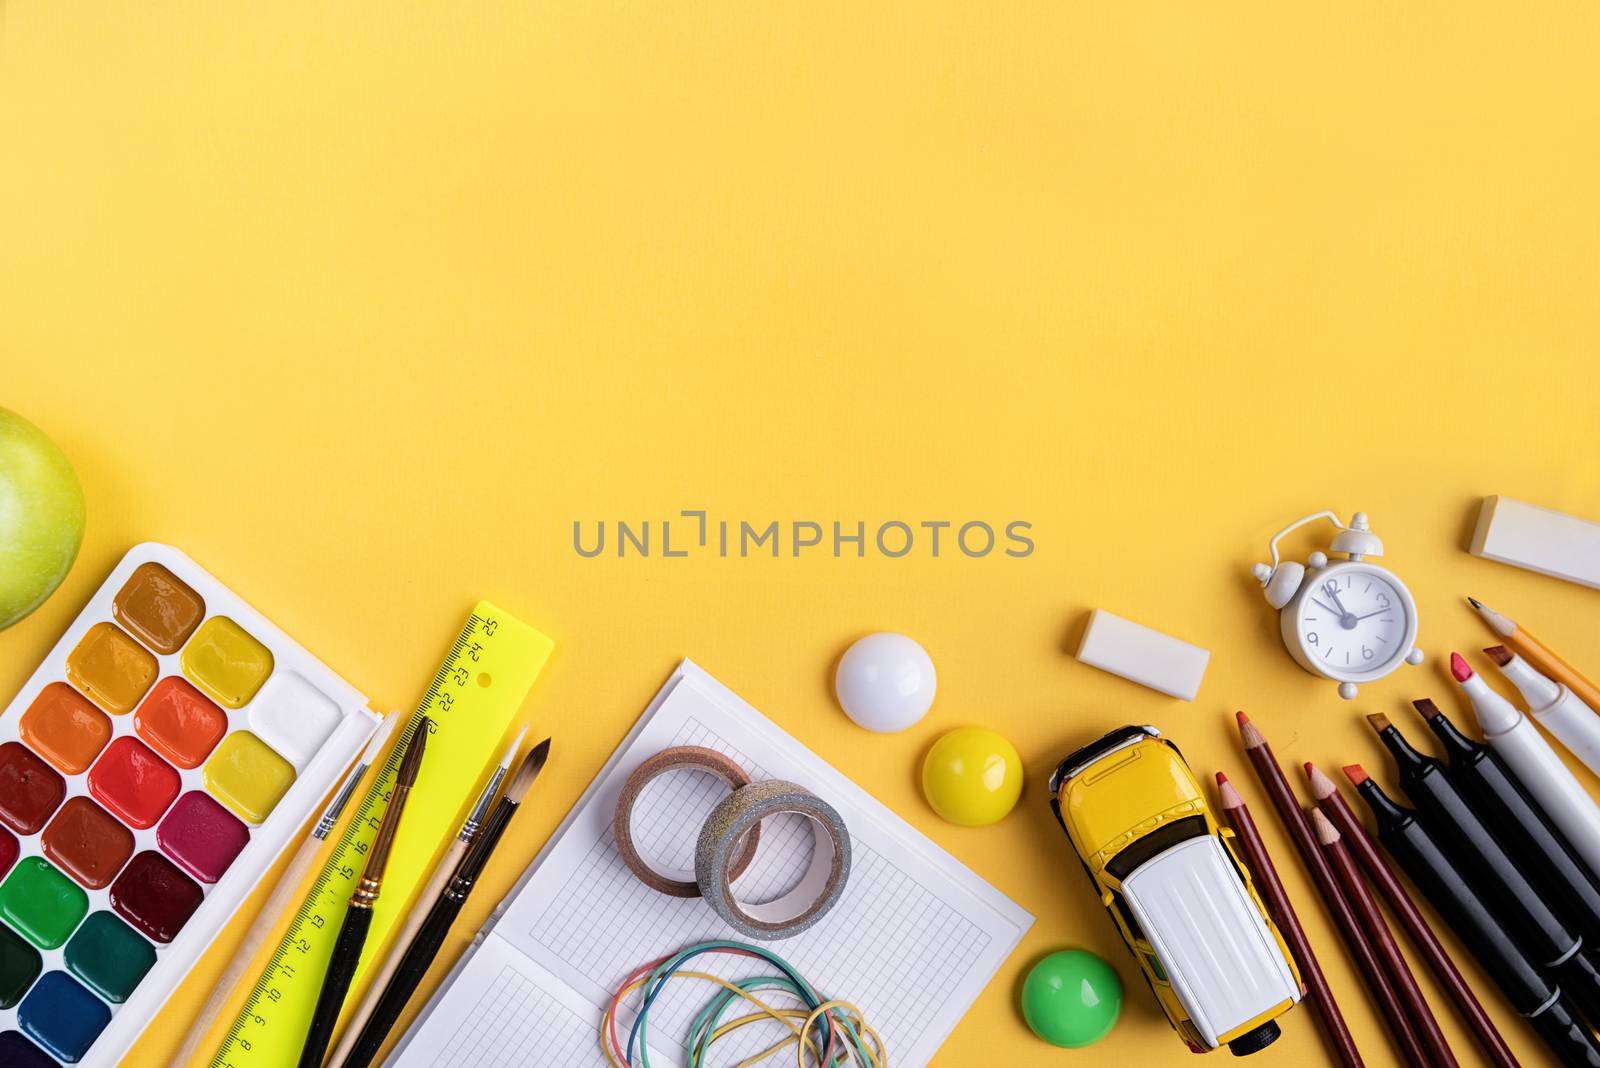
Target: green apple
41 517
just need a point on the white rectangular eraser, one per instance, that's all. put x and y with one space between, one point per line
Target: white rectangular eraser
1551 543
1142 655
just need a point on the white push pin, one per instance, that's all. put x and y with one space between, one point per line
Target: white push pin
885 682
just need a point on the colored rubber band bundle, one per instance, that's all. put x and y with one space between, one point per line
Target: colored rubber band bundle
823 1032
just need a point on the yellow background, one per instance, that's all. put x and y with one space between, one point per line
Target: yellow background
363 305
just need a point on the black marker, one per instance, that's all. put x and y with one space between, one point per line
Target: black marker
1521 827
1454 898
1469 843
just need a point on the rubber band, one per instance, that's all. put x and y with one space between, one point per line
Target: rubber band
824 1032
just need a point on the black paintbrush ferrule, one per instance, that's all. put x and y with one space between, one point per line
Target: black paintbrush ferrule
335 985
1455 899
1516 821
408 975
1469 843
420 954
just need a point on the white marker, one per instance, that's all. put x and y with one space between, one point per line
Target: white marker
1554 705
1536 766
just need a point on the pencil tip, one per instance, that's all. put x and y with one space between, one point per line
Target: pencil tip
1221 778
1241 717
1250 733
1230 793
1321 786
1379 721
1356 774
1425 708
1327 833
1499 654
1475 603
1459 668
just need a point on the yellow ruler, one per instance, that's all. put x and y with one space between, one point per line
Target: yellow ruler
473 698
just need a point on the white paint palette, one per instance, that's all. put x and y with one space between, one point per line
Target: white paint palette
152 769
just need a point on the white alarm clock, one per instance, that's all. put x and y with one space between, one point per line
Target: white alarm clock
1349 620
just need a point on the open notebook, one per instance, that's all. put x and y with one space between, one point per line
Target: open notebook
914 940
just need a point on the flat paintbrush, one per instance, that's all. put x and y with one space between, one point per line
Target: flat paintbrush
433 888
425 947
358 916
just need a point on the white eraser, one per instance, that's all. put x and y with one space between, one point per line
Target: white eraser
1527 536
1142 655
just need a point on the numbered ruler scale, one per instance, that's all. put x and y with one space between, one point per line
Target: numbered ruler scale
471 702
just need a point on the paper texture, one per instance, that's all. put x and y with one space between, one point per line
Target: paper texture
914 940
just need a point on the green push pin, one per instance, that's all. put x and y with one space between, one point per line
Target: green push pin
1071 998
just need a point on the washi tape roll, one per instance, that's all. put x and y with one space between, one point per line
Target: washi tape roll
678 758
735 818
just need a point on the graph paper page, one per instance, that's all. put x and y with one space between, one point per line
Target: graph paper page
913 941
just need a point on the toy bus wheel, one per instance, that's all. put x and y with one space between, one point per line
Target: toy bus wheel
1255 1041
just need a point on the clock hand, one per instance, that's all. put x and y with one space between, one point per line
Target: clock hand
1347 618
1379 612
1324 607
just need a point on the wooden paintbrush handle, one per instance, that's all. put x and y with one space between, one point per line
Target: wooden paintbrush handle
228 984
397 948
419 955
335 984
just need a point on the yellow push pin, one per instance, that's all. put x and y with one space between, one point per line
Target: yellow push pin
972 776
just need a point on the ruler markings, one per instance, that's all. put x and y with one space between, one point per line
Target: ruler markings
268 1030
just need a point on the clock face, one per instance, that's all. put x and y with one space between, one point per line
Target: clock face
1354 621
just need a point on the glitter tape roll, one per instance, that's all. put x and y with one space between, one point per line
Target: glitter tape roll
678 758
735 818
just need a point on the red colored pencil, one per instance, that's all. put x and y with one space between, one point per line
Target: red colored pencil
1430 1040
1322 877
1365 851
1267 882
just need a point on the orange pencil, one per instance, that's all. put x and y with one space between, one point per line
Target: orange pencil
1542 657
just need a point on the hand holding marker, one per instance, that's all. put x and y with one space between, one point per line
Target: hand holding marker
425 947
358 916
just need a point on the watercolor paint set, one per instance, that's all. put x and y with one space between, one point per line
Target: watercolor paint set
151 771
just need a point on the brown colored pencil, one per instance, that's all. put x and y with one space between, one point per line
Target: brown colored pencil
1544 659
1361 846
1424 1029
1322 877
1267 882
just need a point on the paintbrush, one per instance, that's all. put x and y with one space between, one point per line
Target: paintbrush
282 895
358 916
435 886
419 955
